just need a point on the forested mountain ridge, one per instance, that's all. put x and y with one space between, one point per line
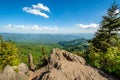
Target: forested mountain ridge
73 42
44 38
78 46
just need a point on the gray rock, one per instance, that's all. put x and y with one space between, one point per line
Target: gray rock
64 65
1 76
22 67
15 72
22 76
30 62
30 74
9 73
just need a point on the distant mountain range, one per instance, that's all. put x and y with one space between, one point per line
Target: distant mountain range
75 45
44 38
73 42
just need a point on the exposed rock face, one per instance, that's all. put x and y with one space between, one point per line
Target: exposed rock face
30 62
22 67
67 66
15 72
9 73
22 71
62 65
21 76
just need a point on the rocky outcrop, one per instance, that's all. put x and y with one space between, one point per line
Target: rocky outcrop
22 70
30 62
64 65
15 72
22 67
9 73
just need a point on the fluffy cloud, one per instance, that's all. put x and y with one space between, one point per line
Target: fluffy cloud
10 28
29 28
37 10
89 26
41 6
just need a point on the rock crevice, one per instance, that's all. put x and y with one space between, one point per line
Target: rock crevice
64 65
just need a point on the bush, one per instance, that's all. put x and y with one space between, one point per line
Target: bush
8 54
108 61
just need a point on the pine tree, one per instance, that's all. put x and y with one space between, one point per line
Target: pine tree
104 48
107 35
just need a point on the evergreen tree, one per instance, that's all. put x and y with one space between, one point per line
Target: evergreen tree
104 48
107 35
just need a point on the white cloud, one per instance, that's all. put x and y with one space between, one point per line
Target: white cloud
41 6
51 28
87 26
28 29
37 10
10 28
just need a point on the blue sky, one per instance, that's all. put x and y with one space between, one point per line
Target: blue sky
52 16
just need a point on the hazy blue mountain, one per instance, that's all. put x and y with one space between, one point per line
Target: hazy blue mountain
44 38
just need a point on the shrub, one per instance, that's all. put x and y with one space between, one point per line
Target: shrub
8 54
109 61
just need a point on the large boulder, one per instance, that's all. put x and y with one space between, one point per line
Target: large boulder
15 72
9 73
22 71
22 76
22 67
64 65
1 76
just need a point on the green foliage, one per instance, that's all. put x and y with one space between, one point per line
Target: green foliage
113 60
104 49
107 35
109 61
43 58
38 50
8 54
